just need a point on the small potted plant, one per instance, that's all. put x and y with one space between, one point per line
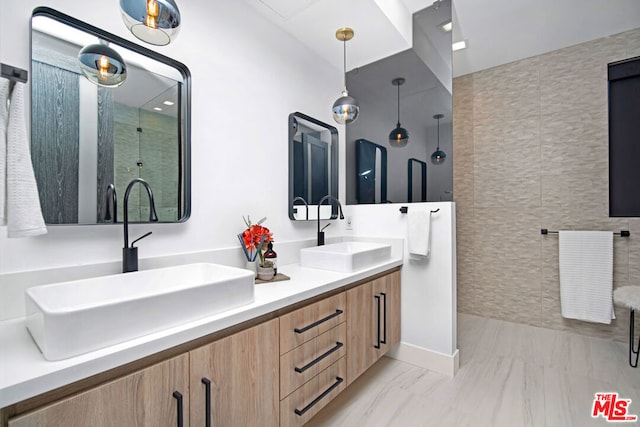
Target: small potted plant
254 241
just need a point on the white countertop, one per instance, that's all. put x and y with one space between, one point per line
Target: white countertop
24 372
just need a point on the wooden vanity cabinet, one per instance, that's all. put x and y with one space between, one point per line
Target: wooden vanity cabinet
281 371
144 398
373 322
234 381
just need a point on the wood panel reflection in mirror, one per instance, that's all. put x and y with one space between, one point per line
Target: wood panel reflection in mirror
85 137
313 167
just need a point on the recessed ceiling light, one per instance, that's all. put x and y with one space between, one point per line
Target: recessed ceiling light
168 102
462 44
446 26
157 108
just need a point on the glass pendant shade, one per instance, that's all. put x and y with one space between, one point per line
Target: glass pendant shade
102 65
399 137
156 22
438 157
345 109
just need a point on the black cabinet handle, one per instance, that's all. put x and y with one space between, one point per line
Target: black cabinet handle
319 358
377 297
384 318
207 401
318 322
178 397
319 398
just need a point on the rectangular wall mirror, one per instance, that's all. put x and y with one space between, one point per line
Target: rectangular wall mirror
371 164
313 168
86 137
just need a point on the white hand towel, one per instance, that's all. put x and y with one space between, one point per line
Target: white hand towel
586 275
23 215
419 233
4 117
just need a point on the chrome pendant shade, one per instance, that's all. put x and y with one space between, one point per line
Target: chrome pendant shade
399 136
102 65
156 22
346 108
438 157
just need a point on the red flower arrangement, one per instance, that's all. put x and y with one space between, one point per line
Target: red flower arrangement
254 239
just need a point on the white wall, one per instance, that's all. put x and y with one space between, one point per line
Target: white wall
247 77
428 287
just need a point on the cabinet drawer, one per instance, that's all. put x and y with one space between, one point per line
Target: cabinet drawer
303 363
308 322
305 402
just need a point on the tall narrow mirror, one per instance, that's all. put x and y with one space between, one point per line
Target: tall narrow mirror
313 168
86 138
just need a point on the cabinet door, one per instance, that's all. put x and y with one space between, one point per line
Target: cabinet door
387 288
241 372
373 322
361 330
144 398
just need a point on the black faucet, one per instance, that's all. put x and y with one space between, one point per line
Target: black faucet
321 232
306 205
112 204
130 254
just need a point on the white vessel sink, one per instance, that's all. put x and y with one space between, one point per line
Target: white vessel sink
70 318
345 256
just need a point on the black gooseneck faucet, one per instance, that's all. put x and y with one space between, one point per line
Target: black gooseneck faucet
130 254
112 204
306 205
321 232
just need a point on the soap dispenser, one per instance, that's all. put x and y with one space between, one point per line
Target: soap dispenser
271 256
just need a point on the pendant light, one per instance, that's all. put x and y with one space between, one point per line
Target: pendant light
438 157
398 137
102 65
346 108
156 22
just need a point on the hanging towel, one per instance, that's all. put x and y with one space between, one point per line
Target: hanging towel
4 118
419 233
586 275
20 200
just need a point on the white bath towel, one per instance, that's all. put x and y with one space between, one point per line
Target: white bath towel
419 233
586 275
4 118
21 202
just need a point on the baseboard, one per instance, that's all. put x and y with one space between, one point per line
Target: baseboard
427 359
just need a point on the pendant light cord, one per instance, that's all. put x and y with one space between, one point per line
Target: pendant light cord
438 134
344 61
398 105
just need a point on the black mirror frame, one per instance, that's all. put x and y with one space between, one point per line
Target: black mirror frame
334 162
184 119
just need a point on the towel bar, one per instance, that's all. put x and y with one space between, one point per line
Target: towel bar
622 233
405 209
14 74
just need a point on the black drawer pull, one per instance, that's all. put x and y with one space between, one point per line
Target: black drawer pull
377 345
207 401
178 397
319 358
384 318
319 398
316 323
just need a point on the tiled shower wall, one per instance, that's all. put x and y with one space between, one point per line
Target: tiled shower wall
531 152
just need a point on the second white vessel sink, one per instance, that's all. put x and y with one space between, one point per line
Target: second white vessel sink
345 256
70 318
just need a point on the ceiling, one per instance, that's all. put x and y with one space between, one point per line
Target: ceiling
497 31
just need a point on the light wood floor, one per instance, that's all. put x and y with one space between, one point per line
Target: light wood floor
510 375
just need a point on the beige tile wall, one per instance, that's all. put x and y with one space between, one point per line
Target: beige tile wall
531 152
